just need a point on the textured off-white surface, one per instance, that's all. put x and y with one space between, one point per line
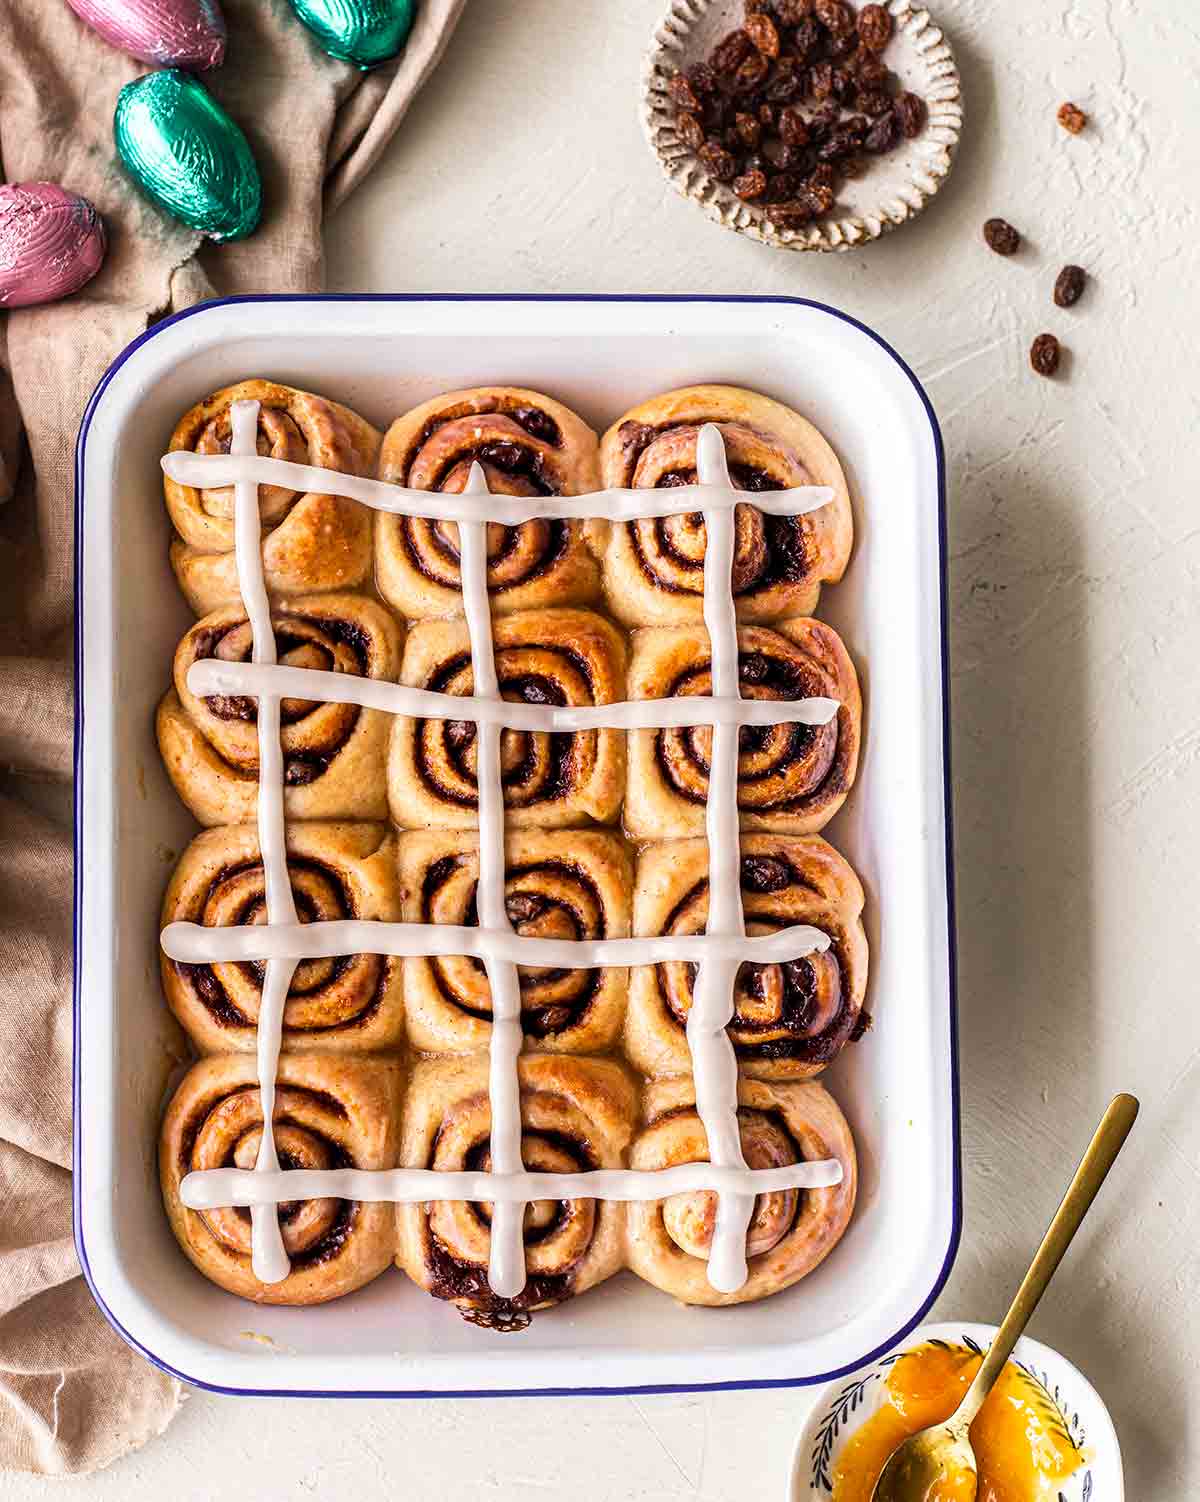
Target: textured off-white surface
1075 611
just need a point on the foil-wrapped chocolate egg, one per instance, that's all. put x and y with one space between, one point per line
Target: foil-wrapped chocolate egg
169 33
51 242
185 153
363 32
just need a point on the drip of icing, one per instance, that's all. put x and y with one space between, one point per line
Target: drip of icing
210 675
216 1188
506 1265
714 1063
268 1257
283 941
210 471
195 944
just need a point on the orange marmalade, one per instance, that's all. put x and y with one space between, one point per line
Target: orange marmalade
1022 1446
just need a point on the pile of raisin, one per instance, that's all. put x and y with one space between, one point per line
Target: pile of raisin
794 102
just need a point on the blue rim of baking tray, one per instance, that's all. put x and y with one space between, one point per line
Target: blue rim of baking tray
528 1392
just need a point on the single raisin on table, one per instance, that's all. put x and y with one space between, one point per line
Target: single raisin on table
1068 288
910 112
761 31
874 27
689 130
1001 237
750 185
1044 354
1071 118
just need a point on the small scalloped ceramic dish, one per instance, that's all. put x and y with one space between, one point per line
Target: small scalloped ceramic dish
843 1409
892 190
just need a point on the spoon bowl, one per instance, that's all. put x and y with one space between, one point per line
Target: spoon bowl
934 1465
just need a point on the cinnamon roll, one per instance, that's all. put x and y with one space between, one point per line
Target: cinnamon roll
551 779
791 1230
334 754
528 444
790 1020
560 885
311 542
791 778
353 1003
654 569
577 1114
330 1112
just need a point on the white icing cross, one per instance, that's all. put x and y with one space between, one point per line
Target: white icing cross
282 942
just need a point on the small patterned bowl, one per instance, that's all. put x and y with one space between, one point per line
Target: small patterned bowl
888 194
848 1402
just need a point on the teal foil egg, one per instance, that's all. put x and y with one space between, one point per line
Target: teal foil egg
185 153
363 32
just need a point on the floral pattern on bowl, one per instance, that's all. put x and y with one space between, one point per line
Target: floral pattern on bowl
896 187
845 1404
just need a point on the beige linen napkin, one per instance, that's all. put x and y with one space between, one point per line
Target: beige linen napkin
73 1397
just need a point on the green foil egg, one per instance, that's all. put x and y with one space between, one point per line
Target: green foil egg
363 32
185 153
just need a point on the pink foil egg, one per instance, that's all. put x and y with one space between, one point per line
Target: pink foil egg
51 242
171 33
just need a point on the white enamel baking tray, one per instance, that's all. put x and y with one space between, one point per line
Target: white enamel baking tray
898 1086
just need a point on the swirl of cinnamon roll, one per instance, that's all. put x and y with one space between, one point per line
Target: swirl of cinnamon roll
654 568
334 754
791 1230
528 444
337 871
330 1112
311 542
550 778
789 1020
560 885
791 778
577 1115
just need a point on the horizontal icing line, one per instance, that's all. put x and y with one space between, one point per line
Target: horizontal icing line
221 1188
196 944
208 471
210 676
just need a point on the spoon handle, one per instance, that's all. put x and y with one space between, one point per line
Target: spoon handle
1092 1171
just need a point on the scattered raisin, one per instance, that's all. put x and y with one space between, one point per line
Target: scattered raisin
876 102
702 79
844 87
785 185
750 185
689 130
793 128
794 158
767 115
870 72
1001 237
806 39
749 129
820 80
787 84
720 163
874 27
883 135
1071 118
793 12
1068 288
751 72
819 197
683 95
791 213
840 142
729 54
910 112
835 16
1044 354
761 31
822 176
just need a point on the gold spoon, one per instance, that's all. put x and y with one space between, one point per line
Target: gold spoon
942 1455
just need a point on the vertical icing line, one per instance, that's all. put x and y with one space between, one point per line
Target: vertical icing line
714 1063
269 1258
506 1266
